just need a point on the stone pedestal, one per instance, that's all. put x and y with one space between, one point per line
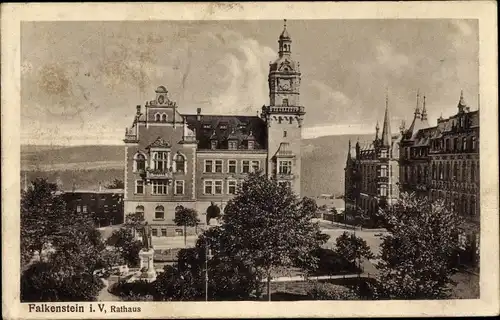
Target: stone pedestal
147 269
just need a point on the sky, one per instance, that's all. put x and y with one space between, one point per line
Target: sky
81 81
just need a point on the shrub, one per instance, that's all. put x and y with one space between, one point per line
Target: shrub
328 291
133 291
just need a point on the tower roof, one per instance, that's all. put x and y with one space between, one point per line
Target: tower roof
386 129
284 34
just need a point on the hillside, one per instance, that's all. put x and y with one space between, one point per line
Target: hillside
323 163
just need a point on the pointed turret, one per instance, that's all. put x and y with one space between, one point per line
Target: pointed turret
349 157
377 128
386 129
425 123
461 103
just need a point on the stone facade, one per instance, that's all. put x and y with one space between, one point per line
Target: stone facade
193 160
372 173
442 162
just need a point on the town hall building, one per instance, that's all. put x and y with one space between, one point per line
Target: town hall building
197 160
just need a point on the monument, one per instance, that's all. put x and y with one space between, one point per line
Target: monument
147 270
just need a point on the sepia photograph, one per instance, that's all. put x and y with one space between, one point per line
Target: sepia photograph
288 158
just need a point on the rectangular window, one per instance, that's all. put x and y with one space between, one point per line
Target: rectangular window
84 209
255 165
154 232
383 171
464 144
208 186
284 134
179 232
383 153
245 166
383 191
159 187
163 232
160 160
231 166
179 187
218 186
285 167
250 145
231 186
139 186
213 144
209 165
447 145
78 209
218 166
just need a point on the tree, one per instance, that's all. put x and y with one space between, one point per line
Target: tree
116 184
416 255
76 248
128 247
352 248
134 221
268 227
43 213
186 217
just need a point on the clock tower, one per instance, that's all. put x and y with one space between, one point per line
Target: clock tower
284 116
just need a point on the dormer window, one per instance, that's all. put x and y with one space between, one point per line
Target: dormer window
157 117
164 117
232 145
207 126
251 145
213 144
285 103
223 126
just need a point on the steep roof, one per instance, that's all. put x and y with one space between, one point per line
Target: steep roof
221 128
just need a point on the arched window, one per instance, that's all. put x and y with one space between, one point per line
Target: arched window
139 210
473 144
157 117
164 117
285 103
140 162
160 213
464 144
180 163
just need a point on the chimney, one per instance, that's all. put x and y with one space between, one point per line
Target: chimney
100 187
198 114
138 109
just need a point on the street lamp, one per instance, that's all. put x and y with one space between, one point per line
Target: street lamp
208 255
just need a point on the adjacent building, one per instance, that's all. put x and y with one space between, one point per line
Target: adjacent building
438 162
442 162
372 171
197 160
105 205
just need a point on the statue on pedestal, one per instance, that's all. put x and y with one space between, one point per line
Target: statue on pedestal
147 270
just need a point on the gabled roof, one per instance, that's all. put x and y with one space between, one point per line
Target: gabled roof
234 127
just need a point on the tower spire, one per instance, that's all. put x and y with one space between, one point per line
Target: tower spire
386 128
377 128
461 103
349 151
417 109
424 111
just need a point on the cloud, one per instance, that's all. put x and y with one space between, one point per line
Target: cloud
336 129
390 60
245 75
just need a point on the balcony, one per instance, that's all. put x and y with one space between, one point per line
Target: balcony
159 174
285 176
287 109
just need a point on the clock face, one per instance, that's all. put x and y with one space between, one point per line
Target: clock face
161 99
284 84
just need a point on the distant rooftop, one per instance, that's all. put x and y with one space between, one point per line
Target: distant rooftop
102 191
